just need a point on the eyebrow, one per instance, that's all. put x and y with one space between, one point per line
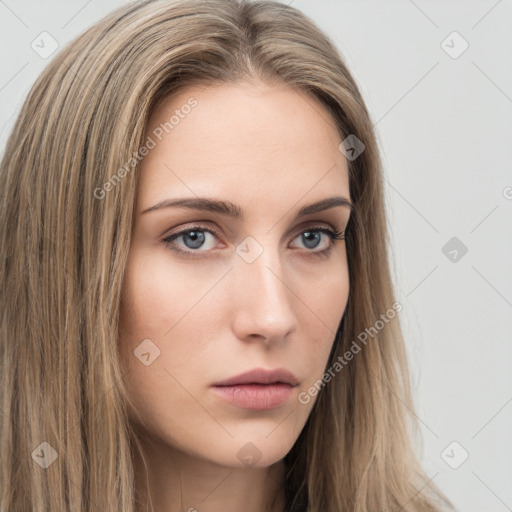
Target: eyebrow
233 210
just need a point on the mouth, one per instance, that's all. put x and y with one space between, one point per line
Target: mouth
261 376
258 389
256 397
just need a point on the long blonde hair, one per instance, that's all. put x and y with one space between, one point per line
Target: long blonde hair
65 236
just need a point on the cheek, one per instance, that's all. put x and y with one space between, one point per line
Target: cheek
327 302
167 319
325 295
158 293
322 302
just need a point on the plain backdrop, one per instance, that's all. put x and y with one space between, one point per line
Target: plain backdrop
437 79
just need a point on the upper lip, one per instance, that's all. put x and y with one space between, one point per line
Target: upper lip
261 376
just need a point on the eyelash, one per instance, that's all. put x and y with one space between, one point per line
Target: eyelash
333 234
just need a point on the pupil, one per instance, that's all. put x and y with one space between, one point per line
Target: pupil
307 237
196 237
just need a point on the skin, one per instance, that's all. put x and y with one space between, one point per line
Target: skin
270 150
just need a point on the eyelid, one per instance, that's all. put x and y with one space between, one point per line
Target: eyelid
194 225
203 226
315 225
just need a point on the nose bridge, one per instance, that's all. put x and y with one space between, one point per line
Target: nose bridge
263 300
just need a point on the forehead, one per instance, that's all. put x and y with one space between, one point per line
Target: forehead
252 140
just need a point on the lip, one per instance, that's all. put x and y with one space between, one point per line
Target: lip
261 376
255 397
258 389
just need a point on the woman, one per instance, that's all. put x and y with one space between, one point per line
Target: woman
198 312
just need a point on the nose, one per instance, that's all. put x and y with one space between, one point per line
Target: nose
263 302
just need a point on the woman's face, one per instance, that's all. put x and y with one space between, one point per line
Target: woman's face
255 284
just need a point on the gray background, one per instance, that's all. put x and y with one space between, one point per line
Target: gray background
445 130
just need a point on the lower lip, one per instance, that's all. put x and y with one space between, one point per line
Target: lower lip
256 397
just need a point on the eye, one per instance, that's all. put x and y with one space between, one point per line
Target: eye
322 237
199 239
194 238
